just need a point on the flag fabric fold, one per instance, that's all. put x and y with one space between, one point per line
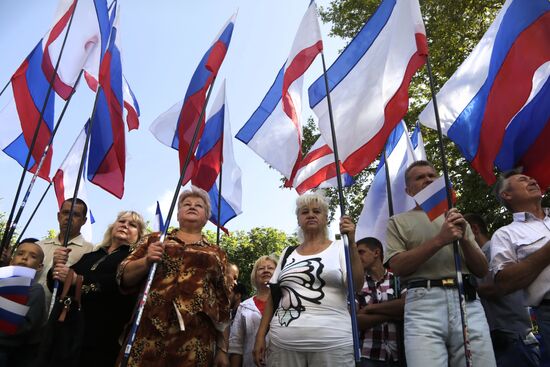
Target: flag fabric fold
495 106
318 169
433 198
19 118
15 284
175 127
158 223
86 42
64 180
276 122
401 152
369 82
216 140
107 153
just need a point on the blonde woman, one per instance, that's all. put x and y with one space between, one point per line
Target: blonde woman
249 313
105 309
311 325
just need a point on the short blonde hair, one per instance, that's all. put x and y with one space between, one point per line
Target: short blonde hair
255 268
106 242
197 193
314 198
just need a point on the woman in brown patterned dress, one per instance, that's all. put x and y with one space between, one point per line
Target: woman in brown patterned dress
187 310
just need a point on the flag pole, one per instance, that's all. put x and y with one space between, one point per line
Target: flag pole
5 238
351 289
33 213
5 87
66 238
457 259
391 212
40 163
220 190
138 311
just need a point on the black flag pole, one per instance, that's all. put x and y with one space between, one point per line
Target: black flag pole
391 212
40 163
138 312
33 213
351 288
5 87
5 239
66 238
456 253
220 190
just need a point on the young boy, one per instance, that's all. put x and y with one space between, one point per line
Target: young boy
19 350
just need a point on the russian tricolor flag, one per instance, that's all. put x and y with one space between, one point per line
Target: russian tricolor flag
175 127
107 154
15 283
369 83
276 122
496 107
217 137
433 199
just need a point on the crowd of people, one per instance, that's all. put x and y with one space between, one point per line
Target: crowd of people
197 314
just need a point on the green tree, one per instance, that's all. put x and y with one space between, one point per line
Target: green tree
453 29
243 248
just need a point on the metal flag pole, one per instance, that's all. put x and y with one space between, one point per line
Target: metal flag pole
351 288
40 163
5 87
399 325
138 312
456 253
5 238
33 213
220 190
76 187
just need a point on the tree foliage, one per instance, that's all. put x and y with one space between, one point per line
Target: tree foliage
453 29
243 248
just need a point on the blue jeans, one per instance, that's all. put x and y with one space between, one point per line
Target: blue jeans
433 330
512 351
542 314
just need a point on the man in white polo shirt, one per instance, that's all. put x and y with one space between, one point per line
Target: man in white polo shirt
520 255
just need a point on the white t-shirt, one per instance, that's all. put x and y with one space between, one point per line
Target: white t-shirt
313 312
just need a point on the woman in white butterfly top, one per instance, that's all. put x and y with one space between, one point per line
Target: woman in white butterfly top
248 316
311 325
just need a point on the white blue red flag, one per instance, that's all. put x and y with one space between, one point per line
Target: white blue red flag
15 283
86 41
277 121
64 180
400 152
158 223
175 127
211 164
19 118
433 198
107 154
318 169
369 83
496 107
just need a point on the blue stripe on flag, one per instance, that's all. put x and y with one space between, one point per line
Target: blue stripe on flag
434 200
212 133
270 101
18 150
352 53
519 15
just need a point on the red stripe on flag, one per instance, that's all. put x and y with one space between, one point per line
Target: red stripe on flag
395 109
535 160
29 115
437 210
513 84
59 187
62 89
132 118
